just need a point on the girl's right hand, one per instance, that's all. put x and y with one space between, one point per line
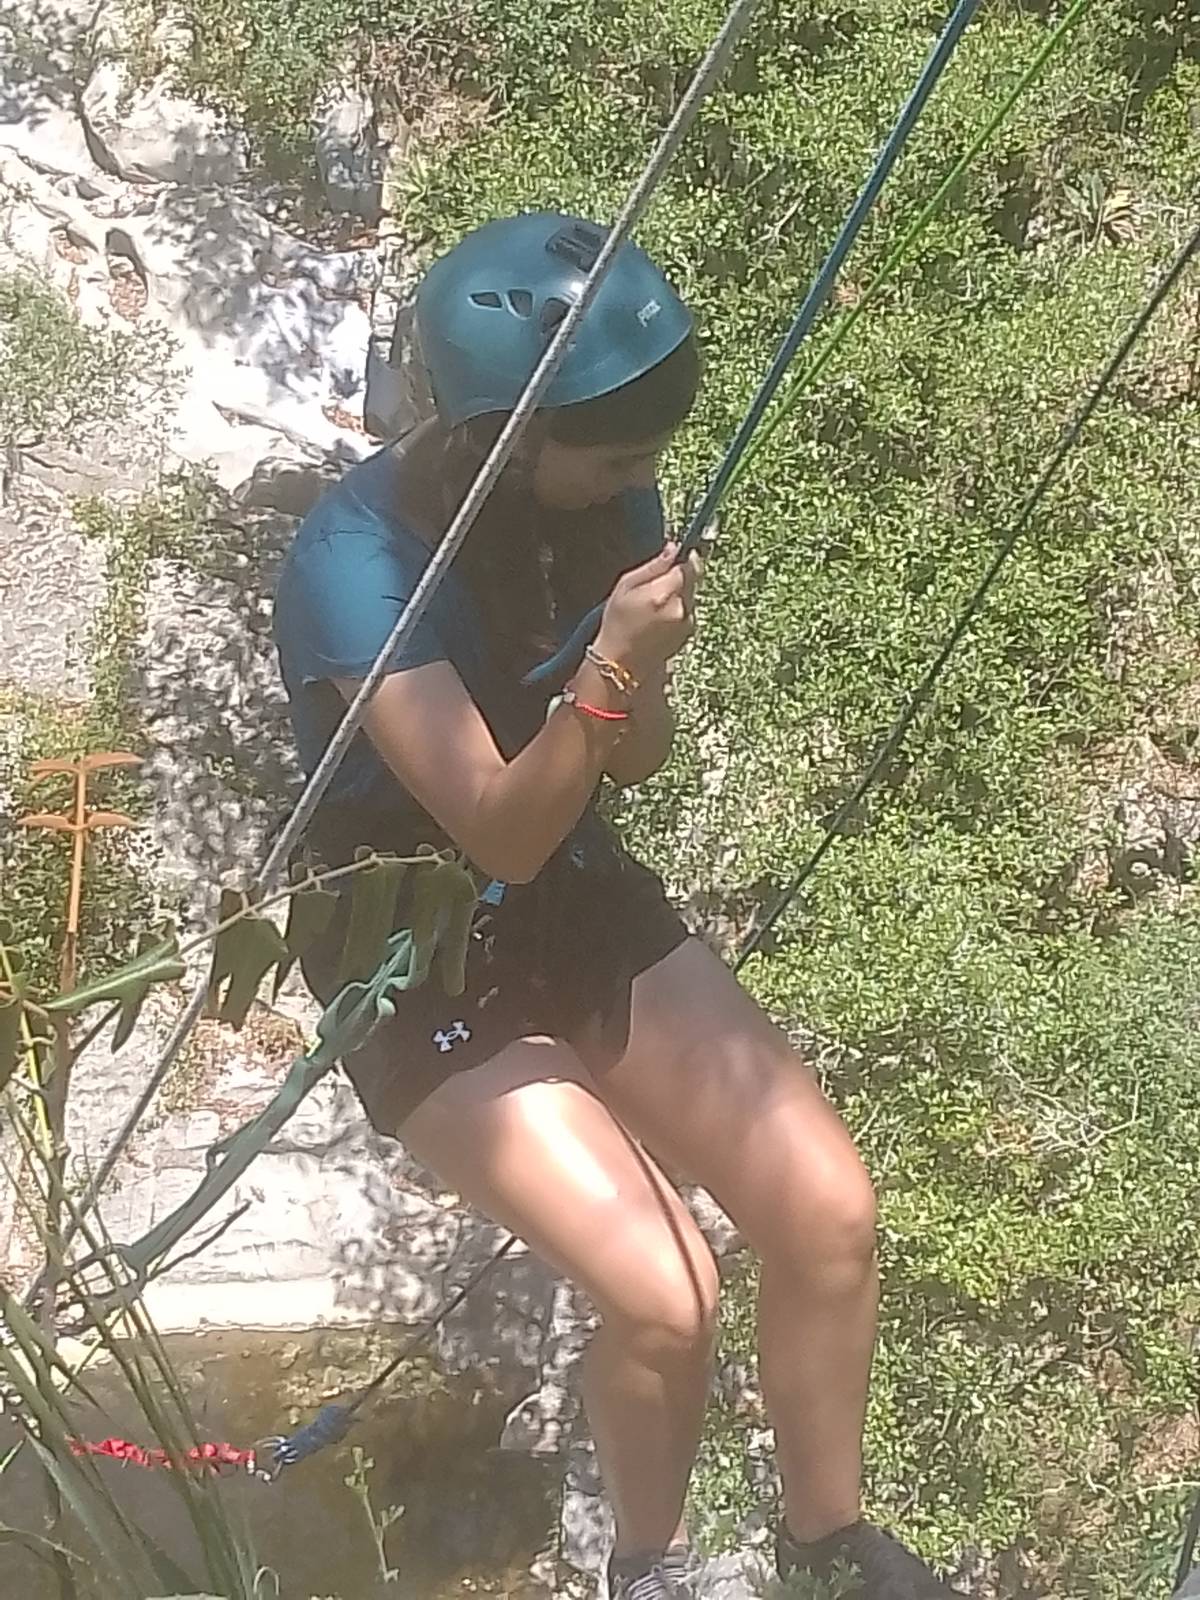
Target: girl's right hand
648 617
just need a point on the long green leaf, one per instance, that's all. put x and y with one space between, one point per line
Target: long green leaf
99 1514
146 1366
445 904
158 961
242 956
235 1155
438 897
372 916
12 1009
40 1354
44 1549
310 911
75 1476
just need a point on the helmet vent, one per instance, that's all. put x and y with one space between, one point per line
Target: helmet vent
521 301
579 244
487 298
553 312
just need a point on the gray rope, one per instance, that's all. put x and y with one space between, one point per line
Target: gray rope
706 76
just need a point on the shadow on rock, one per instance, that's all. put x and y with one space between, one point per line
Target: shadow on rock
208 696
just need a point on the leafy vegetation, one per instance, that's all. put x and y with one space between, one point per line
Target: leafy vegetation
1001 955
60 375
66 381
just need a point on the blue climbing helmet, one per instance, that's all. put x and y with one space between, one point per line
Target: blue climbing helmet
486 311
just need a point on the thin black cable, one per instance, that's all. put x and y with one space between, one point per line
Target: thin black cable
1188 1549
1008 544
412 1345
333 1422
1191 1533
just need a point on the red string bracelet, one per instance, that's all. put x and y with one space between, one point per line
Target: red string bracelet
569 698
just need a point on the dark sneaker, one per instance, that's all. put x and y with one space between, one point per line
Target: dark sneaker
642 1583
859 1563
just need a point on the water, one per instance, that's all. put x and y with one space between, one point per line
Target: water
473 1516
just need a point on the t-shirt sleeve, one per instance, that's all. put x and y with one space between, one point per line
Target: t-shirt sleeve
338 601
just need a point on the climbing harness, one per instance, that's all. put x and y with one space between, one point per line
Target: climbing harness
563 662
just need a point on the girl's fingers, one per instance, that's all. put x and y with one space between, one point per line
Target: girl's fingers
656 567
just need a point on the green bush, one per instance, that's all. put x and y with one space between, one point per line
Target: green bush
58 374
61 377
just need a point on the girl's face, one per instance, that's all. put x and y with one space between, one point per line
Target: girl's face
572 477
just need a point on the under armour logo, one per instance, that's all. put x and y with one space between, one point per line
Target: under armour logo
447 1038
650 310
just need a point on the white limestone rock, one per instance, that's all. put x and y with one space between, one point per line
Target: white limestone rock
350 155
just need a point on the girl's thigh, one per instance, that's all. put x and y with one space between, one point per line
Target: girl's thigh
527 1140
715 1090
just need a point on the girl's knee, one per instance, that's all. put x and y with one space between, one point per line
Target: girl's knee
668 1306
827 1224
673 1325
851 1213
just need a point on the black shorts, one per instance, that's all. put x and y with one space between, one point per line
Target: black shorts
557 957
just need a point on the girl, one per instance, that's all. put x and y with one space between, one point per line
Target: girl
595 1038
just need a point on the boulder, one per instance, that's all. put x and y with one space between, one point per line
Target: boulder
349 154
38 47
285 484
51 585
151 135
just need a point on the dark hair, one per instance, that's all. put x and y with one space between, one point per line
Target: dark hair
649 407
519 573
